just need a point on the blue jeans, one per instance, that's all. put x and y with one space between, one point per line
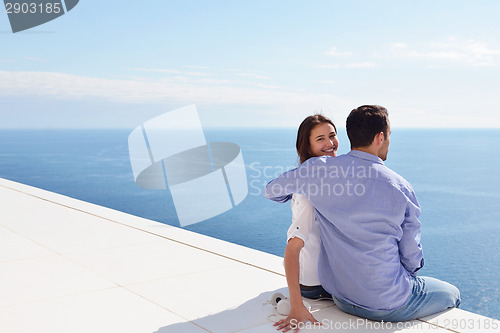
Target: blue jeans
428 296
315 292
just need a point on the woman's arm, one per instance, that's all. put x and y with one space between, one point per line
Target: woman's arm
298 312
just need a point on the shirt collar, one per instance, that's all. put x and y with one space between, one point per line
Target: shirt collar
366 156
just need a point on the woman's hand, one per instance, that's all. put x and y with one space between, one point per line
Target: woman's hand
298 314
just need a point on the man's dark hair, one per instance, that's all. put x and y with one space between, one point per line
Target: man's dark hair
364 123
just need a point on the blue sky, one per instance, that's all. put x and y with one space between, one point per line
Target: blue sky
254 63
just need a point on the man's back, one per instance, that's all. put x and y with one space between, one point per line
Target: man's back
370 232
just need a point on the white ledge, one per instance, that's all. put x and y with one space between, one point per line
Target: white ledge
70 266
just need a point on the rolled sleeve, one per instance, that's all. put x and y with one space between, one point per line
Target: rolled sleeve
303 217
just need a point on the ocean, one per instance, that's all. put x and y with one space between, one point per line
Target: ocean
454 173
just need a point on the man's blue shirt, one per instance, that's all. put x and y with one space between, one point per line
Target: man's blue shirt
370 232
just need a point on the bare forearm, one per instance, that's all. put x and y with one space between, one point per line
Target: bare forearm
292 270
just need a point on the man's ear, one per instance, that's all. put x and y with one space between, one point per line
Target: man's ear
379 139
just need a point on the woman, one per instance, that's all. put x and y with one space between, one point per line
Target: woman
317 136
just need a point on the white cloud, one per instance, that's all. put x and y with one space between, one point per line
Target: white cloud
73 87
214 81
197 67
361 65
399 46
184 76
263 105
329 66
336 53
463 52
197 74
350 65
326 81
266 86
157 70
255 76
243 73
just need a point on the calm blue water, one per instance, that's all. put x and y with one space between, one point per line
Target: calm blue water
454 173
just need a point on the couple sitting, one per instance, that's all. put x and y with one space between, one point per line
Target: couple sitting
355 235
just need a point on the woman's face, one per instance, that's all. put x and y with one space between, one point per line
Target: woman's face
323 140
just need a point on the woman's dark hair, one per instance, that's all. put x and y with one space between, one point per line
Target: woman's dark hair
364 123
304 132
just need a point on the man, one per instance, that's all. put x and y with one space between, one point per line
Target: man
370 232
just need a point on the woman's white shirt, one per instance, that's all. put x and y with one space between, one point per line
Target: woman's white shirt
305 227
